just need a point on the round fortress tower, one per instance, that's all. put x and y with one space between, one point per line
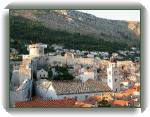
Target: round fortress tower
36 50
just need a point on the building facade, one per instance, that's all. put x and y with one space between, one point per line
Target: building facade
70 89
42 74
113 76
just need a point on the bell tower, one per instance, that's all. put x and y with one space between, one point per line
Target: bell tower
113 76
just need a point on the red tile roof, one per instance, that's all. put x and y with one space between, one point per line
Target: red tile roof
47 103
120 102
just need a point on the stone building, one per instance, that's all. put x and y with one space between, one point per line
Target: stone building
113 76
70 89
36 50
20 91
42 74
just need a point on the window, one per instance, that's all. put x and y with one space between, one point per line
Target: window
75 97
115 72
86 96
116 90
115 80
109 80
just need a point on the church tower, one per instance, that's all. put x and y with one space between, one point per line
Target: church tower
113 76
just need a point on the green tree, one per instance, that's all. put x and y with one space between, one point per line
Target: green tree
103 103
63 74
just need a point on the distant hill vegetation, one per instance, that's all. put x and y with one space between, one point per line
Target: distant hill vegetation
71 28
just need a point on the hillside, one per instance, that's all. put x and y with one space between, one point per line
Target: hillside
71 28
135 27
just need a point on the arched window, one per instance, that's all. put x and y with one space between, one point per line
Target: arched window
86 96
75 97
109 80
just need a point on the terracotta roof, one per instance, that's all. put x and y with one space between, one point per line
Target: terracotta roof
120 102
47 103
82 104
77 87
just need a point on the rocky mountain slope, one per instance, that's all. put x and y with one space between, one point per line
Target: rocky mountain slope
75 22
135 27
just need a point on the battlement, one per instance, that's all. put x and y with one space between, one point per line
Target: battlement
36 50
38 45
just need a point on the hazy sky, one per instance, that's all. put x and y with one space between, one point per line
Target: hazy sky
129 15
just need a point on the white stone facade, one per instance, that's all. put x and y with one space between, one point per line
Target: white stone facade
42 74
46 93
46 90
86 76
113 76
69 61
51 94
36 49
80 97
21 93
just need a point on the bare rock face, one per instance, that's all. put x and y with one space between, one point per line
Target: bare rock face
134 26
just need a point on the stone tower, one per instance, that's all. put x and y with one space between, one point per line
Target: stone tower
113 76
36 50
